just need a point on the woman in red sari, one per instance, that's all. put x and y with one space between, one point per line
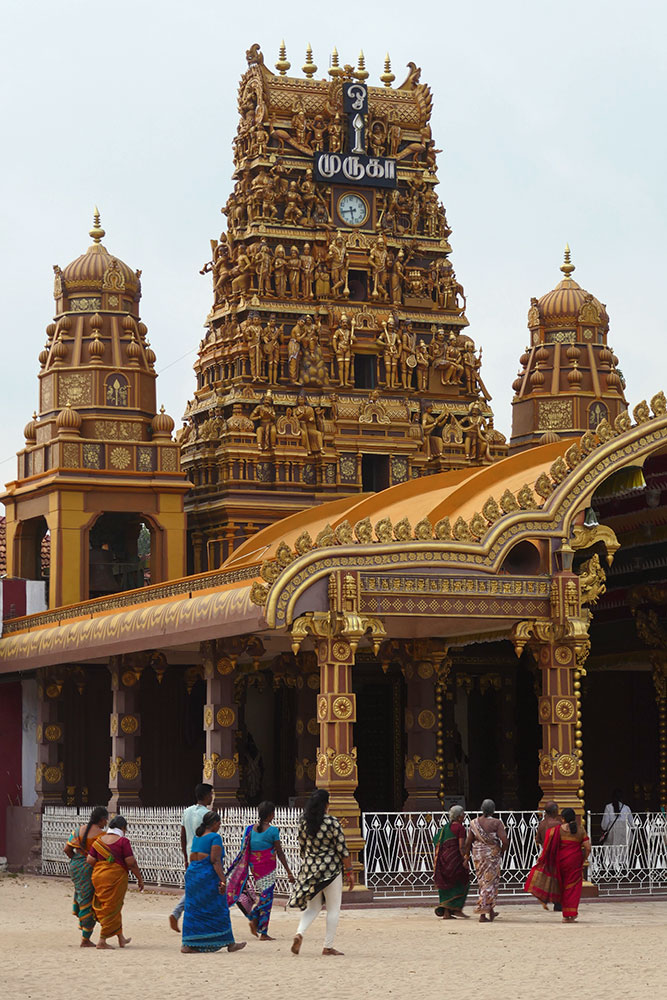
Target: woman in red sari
558 875
451 874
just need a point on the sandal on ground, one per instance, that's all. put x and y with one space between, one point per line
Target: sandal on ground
440 911
331 951
296 944
236 946
266 937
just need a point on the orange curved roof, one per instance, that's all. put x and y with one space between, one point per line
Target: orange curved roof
460 492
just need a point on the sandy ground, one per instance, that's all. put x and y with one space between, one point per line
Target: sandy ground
615 950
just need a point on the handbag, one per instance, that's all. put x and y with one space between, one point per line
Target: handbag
605 833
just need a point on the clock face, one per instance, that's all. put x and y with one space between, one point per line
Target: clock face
353 209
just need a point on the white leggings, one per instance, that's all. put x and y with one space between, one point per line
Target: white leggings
333 894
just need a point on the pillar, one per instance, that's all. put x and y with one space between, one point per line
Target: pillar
507 722
336 754
559 706
125 725
445 700
50 772
659 663
221 759
423 727
307 727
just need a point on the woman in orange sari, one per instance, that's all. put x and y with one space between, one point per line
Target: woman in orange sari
558 875
112 858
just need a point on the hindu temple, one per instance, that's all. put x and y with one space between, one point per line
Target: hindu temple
337 571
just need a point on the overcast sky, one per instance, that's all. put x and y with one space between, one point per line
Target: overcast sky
551 118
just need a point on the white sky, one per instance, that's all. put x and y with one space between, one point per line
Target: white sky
551 118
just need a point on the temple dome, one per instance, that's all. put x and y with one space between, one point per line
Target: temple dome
97 268
567 304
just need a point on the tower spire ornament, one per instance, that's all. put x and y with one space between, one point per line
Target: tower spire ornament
96 233
335 69
567 267
283 63
309 67
387 77
361 72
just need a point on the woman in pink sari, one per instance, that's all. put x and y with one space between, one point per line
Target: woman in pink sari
558 875
488 842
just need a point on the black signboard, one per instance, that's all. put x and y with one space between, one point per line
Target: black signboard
355 169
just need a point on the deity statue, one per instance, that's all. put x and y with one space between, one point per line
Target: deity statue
475 435
280 272
471 367
241 274
252 334
271 347
313 367
294 272
397 278
378 137
294 350
342 342
311 437
300 123
452 370
432 442
338 262
265 414
319 132
307 272
335 135
263 268
293 205
423 362
322 280
378 261
389 341
393 137
407 360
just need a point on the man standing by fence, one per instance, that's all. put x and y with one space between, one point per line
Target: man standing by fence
192 817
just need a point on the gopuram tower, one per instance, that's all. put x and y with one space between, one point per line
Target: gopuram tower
99 461
336 359
568 381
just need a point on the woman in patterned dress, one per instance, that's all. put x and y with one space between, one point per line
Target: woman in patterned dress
325 856
488 841
76 849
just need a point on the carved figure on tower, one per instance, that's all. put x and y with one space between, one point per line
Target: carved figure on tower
343 339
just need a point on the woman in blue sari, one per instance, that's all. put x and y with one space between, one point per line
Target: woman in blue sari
206 923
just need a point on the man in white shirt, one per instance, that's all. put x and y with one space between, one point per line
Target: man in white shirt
192 818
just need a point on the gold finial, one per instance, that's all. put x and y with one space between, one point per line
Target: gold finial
566 267
361 72
283 64
96 232
335 69
309 67
387 77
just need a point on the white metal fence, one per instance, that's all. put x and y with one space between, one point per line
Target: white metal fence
398 855
634 856
155 835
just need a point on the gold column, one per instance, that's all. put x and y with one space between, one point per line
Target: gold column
221 759
423 724
125 727
561 646
49 774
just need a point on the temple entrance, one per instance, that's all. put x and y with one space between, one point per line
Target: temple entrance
379 738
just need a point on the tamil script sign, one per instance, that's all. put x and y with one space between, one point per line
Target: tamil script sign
351 168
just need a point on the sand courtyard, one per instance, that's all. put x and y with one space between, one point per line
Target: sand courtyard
615 947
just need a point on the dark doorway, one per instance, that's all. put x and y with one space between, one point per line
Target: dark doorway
484 759
374 473
357 282
529 734
379 738
365 371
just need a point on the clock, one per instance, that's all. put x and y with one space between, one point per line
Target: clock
353 209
